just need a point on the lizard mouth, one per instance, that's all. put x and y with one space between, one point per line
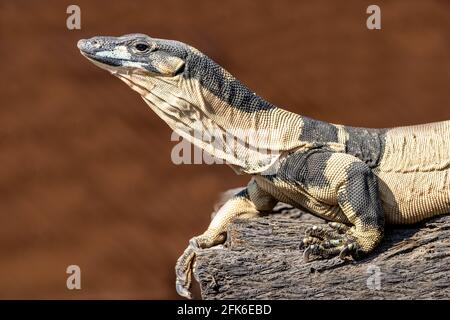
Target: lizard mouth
101 60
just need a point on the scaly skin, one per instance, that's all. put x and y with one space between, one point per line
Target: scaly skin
356 178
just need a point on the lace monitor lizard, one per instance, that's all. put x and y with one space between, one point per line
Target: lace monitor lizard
358 179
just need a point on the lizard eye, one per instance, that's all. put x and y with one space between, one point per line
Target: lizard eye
141 46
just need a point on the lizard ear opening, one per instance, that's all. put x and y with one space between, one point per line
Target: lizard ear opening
168 65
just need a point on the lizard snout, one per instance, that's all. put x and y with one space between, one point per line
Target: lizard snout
81 44
87 45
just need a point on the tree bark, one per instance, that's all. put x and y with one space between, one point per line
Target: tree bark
261 259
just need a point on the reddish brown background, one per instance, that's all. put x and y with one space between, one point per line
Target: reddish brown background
85 170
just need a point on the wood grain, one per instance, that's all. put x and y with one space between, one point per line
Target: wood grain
262 260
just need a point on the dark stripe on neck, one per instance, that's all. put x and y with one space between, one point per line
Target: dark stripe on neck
228 90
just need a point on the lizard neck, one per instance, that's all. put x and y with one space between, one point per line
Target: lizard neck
260 131
250 133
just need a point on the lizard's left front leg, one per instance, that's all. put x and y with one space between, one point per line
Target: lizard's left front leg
245 204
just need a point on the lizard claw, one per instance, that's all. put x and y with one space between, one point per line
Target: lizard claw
348 250
306 254
182 290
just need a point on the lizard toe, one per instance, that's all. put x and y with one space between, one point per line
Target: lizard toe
183 271
339 227
321 232
325 251
326 244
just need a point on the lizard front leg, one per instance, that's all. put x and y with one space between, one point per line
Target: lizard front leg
352 184
348 188
245 204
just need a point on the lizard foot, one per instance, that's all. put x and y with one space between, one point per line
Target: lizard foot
327 243
183 269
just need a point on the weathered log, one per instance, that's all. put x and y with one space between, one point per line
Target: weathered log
262 260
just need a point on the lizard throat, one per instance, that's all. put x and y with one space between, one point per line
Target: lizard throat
192 118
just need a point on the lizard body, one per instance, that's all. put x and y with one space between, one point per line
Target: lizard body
356 178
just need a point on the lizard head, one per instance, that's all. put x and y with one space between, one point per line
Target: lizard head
152 67
135 53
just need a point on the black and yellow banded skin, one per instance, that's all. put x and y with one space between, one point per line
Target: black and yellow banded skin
358 179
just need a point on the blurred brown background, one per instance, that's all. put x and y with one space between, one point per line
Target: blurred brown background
85 170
